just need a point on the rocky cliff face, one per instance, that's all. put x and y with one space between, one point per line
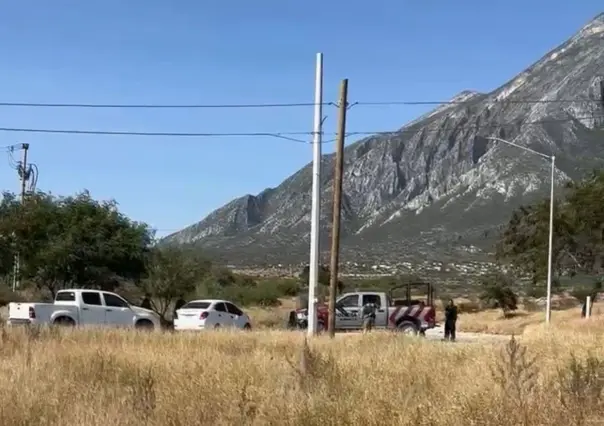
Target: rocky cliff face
437 185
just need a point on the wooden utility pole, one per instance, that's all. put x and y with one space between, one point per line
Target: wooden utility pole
24 173
337 205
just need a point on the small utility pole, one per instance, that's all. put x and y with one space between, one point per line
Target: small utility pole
337 207
24 173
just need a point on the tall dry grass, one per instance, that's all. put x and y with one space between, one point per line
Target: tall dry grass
93 377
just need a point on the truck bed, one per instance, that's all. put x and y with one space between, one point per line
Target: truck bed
19 313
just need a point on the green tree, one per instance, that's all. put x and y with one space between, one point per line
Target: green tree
578 233
498 292
73 241
324 277
172 272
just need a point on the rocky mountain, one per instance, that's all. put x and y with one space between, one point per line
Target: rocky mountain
437 187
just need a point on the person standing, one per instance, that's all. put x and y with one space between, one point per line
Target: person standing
179 304
368 316
146 303
450 320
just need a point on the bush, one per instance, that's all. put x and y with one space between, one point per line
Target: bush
265 294
581 387
283 287
7 296
498 292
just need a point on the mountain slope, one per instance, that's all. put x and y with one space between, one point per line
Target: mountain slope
437 185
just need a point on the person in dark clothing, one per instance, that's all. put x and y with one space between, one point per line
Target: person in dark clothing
450 320
368 316
179 304
422 331
292 320
146 303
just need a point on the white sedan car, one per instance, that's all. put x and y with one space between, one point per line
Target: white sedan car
210 314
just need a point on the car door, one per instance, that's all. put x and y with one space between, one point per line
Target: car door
222 315
117 311
347 312
92 311
381 315
238 318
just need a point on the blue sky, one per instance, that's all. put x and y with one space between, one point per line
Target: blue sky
225 52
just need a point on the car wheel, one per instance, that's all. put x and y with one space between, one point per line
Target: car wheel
64 322
408 328
247 327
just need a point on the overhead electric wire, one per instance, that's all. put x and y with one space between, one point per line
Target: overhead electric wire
285 104
295 136
473 101
279 135
157 106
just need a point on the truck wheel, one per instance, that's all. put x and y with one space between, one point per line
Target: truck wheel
407 327
64 322
144 325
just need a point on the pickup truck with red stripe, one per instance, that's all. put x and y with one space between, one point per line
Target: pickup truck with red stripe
407 316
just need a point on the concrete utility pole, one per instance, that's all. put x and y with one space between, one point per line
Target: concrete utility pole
313 273
337 207
24 174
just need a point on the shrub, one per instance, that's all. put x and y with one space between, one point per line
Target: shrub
497 291
264 294
581 387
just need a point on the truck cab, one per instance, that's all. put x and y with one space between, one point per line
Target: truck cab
348 309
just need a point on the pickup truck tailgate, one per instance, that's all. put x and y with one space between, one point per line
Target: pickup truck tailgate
19 311
28 313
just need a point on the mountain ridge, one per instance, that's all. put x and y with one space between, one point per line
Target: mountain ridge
436 165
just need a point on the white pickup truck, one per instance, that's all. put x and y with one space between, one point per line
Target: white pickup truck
84 307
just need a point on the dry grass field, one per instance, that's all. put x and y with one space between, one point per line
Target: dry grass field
93 377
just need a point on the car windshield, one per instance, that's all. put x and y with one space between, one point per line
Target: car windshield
197 305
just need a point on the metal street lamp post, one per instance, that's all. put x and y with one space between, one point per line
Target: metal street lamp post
548 306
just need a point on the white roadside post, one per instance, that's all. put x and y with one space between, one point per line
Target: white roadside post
548 305
588 307
313 272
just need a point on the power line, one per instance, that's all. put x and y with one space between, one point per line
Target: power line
291 136
496 102
279 135
286 104
158 106
520 123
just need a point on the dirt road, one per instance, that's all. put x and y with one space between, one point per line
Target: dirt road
438 334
